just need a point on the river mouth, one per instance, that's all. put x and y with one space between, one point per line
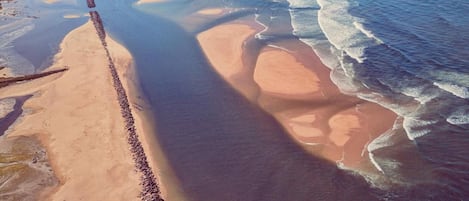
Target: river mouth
219 143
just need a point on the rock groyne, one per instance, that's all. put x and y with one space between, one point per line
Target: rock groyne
90 3
150 190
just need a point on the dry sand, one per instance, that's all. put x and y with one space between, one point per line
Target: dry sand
76 116
294 86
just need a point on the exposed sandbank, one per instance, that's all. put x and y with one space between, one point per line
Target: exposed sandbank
296 89
76 116
211 11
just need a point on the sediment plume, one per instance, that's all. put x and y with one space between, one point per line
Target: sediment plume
10 80
150 190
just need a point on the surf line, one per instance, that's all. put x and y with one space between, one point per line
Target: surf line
150 190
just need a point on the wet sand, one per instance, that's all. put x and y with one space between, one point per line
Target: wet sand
76 116
294 86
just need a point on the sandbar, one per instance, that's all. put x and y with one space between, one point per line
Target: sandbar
295 87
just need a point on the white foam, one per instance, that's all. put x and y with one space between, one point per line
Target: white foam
373 161
419 93
281 48
459 117
302 3
259 34
339 26
460 91
384 140
368 33
416 128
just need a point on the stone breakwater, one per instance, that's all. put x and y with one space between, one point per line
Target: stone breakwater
150 189
90 3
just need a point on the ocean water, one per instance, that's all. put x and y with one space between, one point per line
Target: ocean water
411 57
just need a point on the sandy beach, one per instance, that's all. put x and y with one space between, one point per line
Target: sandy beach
294 86
76 116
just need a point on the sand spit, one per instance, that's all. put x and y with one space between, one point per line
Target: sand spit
150 189
76 117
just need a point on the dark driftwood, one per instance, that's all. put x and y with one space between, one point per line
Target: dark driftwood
9 80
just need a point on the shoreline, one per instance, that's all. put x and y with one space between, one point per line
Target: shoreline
295 88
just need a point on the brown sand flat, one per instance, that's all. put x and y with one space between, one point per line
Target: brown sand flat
296 89
278 72
78 119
